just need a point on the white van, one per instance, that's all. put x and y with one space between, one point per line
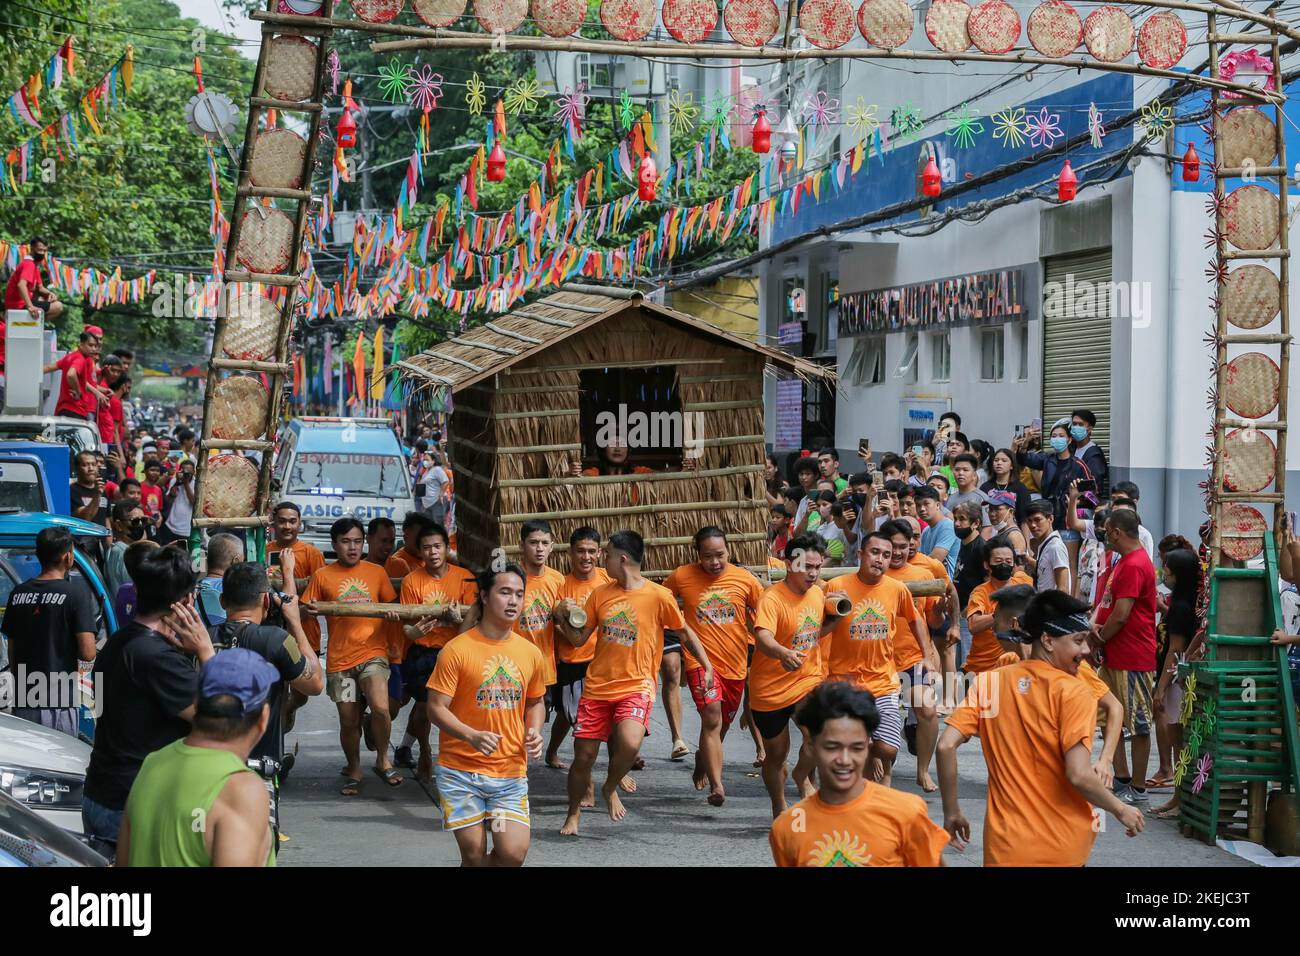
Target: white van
334 468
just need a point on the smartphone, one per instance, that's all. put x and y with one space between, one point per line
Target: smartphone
1036 425
1019 430
917 450
1290 521
864 447
1087 484
877 479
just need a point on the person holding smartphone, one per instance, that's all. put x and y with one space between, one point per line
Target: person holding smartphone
180 505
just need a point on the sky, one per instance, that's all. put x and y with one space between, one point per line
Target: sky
211 14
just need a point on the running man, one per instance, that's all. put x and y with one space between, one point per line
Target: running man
571 662
286 520
861 650
849 821
486 698
719 601
788 626
629 615
1035 721
1000 571
536 621
407 558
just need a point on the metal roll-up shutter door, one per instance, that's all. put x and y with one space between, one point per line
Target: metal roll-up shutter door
1076 340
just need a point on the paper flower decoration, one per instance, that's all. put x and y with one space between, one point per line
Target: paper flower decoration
1189 697
1203 768
1044 129
571 108
626 110
682 112
332 64
963 126
475 95
425 89
394 78
1009 127
1180 766
1157 119
522 96
717 112
821 109
862 118
905 122
1096 126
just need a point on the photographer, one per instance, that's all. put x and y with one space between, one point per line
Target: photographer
180 505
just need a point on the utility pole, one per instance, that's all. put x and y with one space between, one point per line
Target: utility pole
663 128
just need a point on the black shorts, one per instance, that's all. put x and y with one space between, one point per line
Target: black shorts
672 645
568 674
770 723
417 668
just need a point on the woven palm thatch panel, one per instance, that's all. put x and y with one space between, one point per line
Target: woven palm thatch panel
1251 385
994 26
1054 28
827 24
377 11
751 22
1252 297
1247 137
885 23
239 407
1108 33
1243 518
229 487
279 156
1250 218
291 68
1162 41
559 18
265 240
1249 460
627 19
252 327
500 16
438 13
690 21
945 25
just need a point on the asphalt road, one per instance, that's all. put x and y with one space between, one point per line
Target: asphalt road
668 823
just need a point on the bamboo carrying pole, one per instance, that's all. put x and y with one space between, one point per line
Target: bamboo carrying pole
405 612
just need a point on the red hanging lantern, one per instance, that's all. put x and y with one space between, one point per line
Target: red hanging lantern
647 177
762 135
1067 184
345 134
496 164
931 180
1191 165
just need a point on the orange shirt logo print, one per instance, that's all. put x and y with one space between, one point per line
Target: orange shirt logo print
805 636
353 591
535 616
620 628
715 609
839 849
503 688
870 625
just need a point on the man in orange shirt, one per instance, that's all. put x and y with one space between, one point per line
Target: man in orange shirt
381 537
1035 721
408 557
571 662
1001 571
915 659
286 522
862 644
537 620
849 821
630 616
788 627
719 601
357 661
436 581
486 698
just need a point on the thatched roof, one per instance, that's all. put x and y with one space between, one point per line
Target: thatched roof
508 339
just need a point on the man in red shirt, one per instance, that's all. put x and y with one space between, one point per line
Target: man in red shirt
111 417
1127 620
26 289
79 391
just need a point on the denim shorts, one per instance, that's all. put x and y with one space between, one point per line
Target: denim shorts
101 825
1068 535
473 798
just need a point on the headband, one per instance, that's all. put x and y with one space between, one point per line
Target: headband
1070 624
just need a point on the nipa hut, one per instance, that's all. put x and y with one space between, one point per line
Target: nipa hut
533 389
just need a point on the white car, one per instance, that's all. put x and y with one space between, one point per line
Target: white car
44 770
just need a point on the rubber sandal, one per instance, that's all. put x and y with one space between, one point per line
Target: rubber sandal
351 787
680 752
389 776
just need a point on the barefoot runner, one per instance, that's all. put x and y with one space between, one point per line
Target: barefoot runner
407 558
571 662
628 616
719 601
861 649
1035 721
849 821
536 621
486 698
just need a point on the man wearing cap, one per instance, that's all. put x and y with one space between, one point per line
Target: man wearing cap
1002 521
79 392
195 802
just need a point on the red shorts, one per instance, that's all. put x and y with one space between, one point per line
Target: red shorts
596 718
729 692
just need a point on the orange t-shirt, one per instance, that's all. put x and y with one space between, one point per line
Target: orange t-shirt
796 622
455 586
307 561
629 638
1090 679
939 571
1027 716
862 644
881 827
579 591
907 652
354 640
490 684
541 592
715 608
984 647
401 563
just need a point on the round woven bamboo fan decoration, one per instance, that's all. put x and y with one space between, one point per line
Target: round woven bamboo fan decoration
1252 297
945 25
1251 385
239 405
439 13
252 324
1162 41
1248 460
994 26
229 487
561 18
1247 135
751 22
627 19
500 16
278 158
828 24
690 21
1108 33
1250 218
1242 518
377 11
265 240
1054 28
885 23
291 68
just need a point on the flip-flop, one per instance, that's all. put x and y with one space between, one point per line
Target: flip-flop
351 787
680 752
1157 783
390 776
